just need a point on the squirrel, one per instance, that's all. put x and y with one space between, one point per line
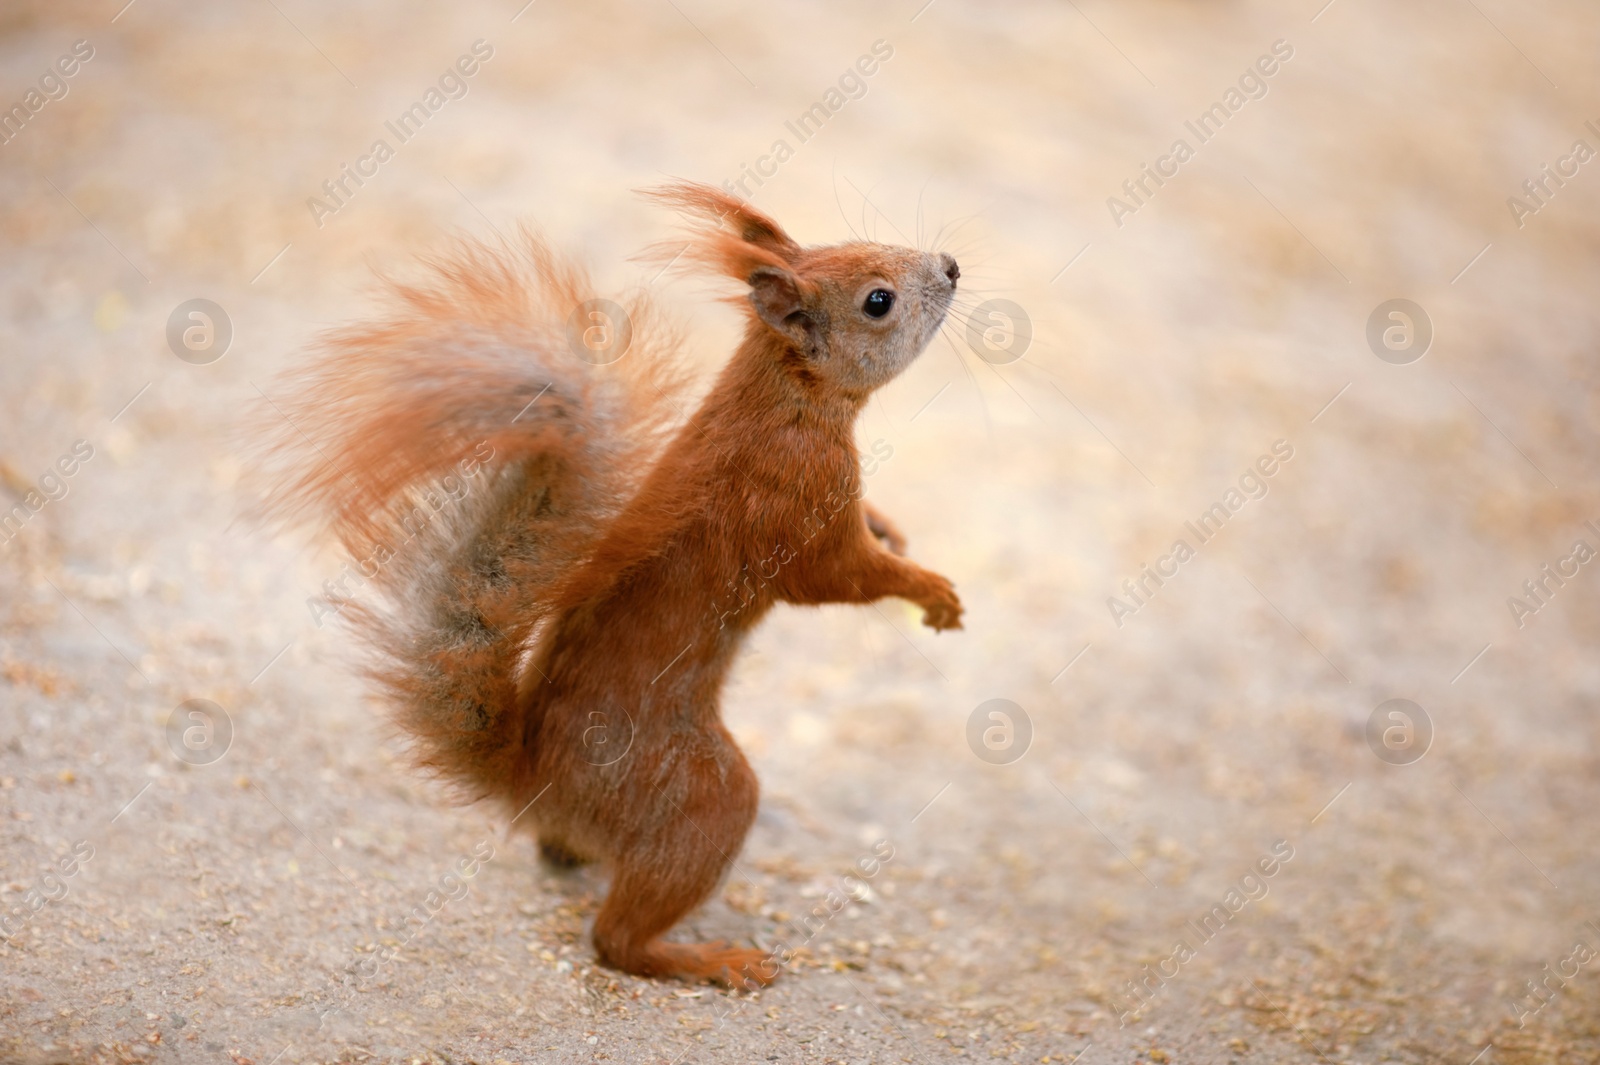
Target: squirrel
548 632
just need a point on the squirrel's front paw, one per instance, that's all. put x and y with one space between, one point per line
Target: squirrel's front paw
942 609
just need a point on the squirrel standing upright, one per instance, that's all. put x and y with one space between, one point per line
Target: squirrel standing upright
549 634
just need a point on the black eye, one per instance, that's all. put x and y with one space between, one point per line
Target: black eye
879 300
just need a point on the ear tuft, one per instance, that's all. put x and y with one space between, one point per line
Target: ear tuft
726 235
722 212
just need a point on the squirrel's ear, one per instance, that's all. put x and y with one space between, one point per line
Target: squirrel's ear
785 303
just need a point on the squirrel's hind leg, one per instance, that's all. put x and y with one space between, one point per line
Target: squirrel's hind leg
658 880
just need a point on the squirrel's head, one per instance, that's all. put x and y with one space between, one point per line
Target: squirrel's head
852 315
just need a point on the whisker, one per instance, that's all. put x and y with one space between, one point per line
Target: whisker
840 203
969 248
983 402
975 255
878 395
919 210
973 297
958 225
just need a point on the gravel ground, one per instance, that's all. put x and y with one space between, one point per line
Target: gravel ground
1164 754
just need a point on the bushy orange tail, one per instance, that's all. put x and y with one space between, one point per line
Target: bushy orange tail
468 455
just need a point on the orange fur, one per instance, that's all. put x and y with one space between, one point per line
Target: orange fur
573 600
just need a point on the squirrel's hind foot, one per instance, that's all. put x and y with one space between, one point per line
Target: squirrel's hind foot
738 968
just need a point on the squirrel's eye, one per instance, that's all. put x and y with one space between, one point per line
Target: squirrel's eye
879 300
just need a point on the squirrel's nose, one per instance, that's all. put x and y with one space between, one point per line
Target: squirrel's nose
951 270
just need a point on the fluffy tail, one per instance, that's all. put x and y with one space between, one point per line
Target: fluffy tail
468 447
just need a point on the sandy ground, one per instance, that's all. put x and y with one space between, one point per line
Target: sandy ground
214 902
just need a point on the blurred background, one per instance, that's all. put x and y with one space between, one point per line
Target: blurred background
1436 907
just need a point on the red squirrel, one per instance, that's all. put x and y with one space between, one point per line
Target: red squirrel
552 637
